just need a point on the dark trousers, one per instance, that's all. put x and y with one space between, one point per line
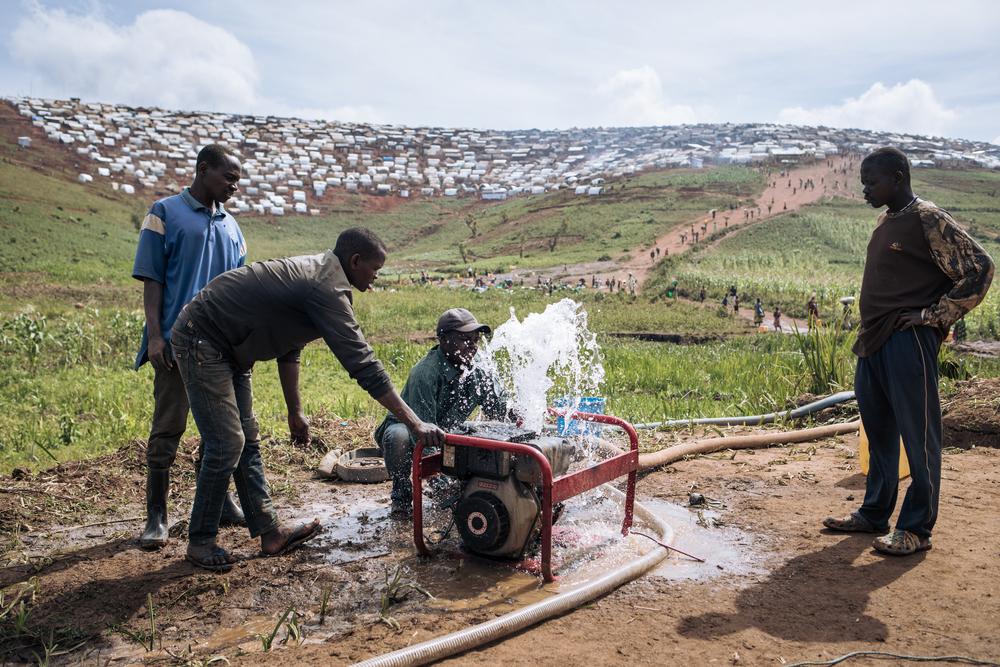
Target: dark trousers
170 412
397 451
221 400
897 392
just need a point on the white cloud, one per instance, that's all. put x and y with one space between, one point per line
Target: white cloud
996 141
636 98
165 57
905 107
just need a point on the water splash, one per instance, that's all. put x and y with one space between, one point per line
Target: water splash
548 355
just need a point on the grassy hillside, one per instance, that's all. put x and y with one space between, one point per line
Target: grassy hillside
59 229
822 249
70 318
63 233
972 196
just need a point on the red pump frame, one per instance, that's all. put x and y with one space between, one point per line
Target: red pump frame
553 490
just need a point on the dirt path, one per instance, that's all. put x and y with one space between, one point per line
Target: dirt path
782 194
787 324
775 589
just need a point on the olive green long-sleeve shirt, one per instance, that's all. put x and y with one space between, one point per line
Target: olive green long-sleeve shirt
272 309
442 394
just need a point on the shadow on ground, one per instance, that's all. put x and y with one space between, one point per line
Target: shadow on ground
82 612
825 587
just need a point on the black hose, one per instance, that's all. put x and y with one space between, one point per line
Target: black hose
754 420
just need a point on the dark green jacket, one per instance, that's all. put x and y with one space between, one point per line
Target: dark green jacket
272 309
441 394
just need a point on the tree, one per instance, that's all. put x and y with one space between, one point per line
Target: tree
554 239
471 223
462 252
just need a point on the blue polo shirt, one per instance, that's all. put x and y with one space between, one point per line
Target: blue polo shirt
183 245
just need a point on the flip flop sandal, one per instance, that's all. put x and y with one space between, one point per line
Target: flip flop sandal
302 534
901 543
225 566
852 523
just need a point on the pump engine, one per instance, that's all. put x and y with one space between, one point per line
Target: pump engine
498 506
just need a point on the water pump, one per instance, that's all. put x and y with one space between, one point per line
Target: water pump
498 508
514 482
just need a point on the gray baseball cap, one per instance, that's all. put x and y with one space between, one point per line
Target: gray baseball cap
459 319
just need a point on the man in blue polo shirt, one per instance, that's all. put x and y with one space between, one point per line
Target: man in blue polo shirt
185 241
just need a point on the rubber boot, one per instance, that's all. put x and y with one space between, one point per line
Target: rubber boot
155 535
232 515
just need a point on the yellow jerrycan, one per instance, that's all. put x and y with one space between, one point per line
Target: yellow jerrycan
904 465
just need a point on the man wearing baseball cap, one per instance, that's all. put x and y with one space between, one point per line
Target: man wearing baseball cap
440 391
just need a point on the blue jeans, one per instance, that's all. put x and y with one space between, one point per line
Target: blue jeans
897 392
221 400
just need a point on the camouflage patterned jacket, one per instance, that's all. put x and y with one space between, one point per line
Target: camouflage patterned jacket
961 259
918 259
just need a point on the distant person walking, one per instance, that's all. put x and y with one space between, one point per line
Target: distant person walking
922 273
758 313
812 307
777 318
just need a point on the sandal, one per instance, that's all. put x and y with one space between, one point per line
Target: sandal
901 543
297 538
852 523
213 562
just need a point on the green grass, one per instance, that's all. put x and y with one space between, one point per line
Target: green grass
783 260
67 386
515 233
69 391
69 400
819 249
400 313
59 232
971 195
76 395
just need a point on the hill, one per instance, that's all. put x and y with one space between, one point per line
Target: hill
821 249
79 239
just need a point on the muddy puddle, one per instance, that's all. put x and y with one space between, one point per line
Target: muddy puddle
728 551
360 544
587 542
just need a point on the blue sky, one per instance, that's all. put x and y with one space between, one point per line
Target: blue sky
928 67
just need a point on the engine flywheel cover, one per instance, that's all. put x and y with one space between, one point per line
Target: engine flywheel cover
483 521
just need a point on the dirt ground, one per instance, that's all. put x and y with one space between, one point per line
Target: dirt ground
775 589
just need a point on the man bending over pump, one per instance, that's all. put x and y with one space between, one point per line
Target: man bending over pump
271 310
443 390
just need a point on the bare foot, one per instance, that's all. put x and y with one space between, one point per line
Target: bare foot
285 537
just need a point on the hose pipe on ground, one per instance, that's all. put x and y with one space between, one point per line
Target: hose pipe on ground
508 624
709 445
755 420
